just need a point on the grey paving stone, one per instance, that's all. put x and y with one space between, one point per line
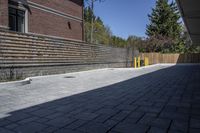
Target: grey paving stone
170 108
143 103
175 116
11 126
94 128
195 123
147 120
49 130
4 122
130 128
102 118
111 123
41 120
136 115
67 131
27 120
178 125
157 130
195 111
161 123
174 131
64 109
113 132
92 108
3 130
126 107
183 110
120 116
32 127
54 115
149 109
42 112
193 130
60 121
86 116
130 120
151 114
107 111
76 124
18 117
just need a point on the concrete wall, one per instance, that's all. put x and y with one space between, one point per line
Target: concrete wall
23 55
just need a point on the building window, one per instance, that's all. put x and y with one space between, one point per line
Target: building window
16 19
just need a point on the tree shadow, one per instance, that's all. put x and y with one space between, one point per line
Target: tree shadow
165 93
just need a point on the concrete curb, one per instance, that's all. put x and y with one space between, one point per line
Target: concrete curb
15 83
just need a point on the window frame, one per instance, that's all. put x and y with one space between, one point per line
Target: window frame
21 8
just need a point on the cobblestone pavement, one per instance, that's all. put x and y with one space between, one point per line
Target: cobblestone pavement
151 100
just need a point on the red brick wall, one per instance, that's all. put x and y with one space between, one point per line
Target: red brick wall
3 13
73 7
43 22
51 24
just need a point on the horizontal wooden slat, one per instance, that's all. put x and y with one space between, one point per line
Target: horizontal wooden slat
171 58
24 49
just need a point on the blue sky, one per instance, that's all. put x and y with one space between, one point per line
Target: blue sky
125 17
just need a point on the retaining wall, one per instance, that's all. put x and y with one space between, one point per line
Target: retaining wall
23 55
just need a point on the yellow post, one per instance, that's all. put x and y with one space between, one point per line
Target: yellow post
135 62
146 61
138 61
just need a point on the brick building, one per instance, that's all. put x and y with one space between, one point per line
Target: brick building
57 18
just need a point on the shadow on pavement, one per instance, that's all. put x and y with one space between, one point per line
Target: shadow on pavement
166 100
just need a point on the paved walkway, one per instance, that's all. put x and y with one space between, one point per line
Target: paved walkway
159 99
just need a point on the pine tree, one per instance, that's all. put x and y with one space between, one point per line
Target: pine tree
165 23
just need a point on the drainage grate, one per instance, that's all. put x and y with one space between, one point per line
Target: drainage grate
69 77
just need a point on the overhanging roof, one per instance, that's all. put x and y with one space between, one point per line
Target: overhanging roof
190 10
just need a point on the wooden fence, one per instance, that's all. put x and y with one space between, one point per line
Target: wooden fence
155 58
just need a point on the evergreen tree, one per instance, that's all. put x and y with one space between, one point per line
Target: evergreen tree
165 23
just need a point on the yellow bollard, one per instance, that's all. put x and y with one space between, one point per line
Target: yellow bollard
138 61
146 61
135 62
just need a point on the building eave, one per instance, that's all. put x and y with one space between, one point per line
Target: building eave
190 12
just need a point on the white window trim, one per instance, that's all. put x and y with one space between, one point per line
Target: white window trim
26 21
